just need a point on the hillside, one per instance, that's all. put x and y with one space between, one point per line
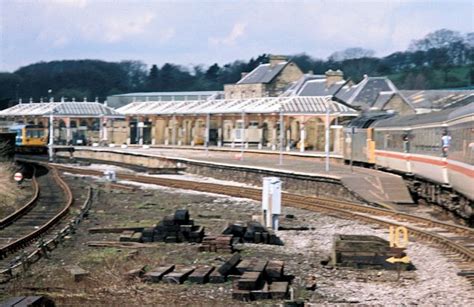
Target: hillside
443 59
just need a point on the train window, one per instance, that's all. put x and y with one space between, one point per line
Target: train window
426 141
34 133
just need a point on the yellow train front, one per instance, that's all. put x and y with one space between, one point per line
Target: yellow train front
30 138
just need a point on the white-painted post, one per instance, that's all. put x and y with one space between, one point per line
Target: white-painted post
242 135
282 131
173 130
208 129
140 131
68 131
302 137
326 145
106 135
51 137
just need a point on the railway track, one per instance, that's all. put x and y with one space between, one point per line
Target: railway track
51 201
456 241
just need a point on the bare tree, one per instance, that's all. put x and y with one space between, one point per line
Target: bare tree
351 53
437 39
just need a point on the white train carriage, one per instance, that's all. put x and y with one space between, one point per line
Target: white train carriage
412 144
460 161
434 151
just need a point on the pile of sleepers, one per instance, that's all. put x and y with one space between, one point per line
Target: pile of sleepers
174 228
254 232
261 279
252 278
219 244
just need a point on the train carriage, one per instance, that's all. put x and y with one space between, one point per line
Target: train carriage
412 144
29 138
460 158
433 151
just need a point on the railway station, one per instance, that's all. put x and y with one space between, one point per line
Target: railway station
253 199
201 173
239 187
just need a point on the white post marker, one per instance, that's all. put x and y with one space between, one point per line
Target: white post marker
271 201
326 146
242 136
18 177
208 129
282 130
51 137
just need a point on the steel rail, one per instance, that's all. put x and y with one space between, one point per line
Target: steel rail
15 215
312 203
27 239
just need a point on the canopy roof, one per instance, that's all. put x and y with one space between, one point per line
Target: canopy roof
287 105
73 109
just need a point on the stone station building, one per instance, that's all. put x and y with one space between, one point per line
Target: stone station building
252 122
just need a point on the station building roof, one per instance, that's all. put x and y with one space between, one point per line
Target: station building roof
66 109
438 99
288 105
433 118
264 73
120 100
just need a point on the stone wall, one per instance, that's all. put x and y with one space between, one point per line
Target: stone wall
293 183
399 105
238 91
110 156
117 132
289 74
314 186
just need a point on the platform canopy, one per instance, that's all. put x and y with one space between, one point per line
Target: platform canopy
308 105
65 109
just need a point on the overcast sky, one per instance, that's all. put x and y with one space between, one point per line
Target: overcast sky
204 32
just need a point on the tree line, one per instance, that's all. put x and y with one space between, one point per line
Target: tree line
442 59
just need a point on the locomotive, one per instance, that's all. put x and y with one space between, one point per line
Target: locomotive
434 152
29 138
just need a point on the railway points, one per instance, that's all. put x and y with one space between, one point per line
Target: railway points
125 207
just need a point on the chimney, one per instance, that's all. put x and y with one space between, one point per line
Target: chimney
275 59
333 77
243 74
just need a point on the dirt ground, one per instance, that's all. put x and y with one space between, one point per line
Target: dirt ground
12 195
434 281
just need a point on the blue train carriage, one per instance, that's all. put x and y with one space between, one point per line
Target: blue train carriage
30 138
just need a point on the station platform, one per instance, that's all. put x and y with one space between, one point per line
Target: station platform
373 186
